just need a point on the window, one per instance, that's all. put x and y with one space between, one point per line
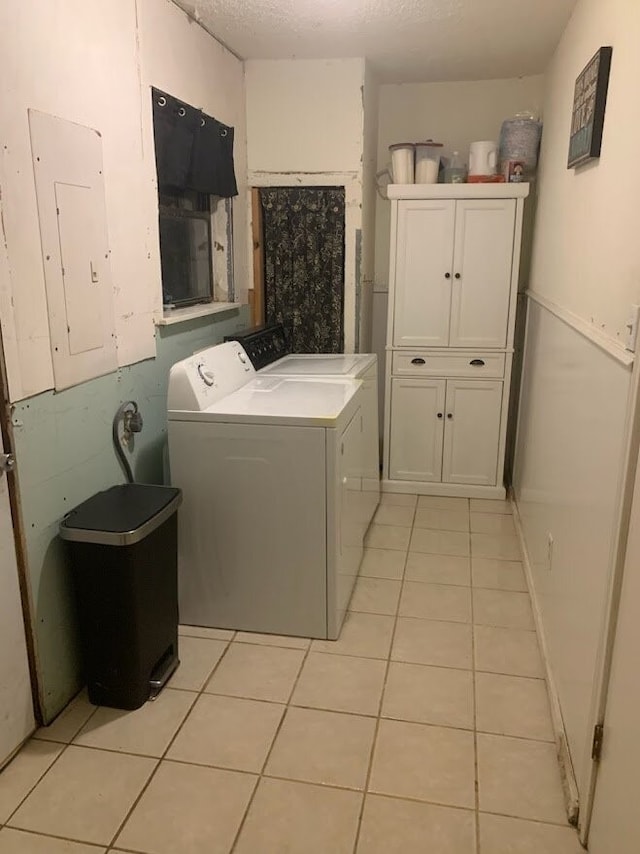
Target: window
196 180
185 248
196 249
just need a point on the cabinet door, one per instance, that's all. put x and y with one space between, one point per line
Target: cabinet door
482 272
416 430
424 256
472 432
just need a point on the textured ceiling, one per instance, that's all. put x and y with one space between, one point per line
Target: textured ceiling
405 40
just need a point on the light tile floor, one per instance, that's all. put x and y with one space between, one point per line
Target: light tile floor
424 728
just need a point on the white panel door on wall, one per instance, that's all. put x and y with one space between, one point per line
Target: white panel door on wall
67 164
416 429
482 264
424 253
472 432
16 704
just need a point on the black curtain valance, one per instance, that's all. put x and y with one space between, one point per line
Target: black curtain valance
194 151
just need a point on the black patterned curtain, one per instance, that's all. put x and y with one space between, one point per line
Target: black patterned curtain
304 265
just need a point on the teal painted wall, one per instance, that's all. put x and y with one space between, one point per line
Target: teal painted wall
65 454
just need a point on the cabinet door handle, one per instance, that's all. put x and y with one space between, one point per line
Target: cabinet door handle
449 415
417 361
458 276
477 363
447 275
439 414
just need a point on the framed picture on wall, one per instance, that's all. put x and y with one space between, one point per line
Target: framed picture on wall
589 103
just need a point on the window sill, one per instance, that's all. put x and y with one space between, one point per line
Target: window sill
192 312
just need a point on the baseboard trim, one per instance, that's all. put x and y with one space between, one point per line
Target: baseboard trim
453 490
569 784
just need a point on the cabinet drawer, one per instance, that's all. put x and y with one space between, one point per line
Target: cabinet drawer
431 363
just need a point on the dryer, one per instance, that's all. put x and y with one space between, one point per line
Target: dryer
267 348
270 533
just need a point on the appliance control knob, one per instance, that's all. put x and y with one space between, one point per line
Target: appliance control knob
206 375
242 358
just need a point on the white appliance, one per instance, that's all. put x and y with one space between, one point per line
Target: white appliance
358 366
270 532
268 351
483 157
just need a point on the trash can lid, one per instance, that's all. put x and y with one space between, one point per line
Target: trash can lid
122 515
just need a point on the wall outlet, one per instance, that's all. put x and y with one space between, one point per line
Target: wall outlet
549 550
632 328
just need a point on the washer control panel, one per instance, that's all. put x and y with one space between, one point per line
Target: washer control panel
202 379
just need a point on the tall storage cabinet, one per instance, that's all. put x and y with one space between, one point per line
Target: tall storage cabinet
453 280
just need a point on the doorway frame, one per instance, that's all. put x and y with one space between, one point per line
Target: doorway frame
352 185
618 554
13 487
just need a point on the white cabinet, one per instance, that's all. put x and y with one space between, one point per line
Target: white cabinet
472 431
452 272
424 257
482 263
417 429
452 297
445 430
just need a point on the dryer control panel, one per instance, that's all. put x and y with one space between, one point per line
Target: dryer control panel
263 344
202 379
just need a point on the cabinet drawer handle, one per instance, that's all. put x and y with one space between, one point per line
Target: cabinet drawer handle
458 276
447 275
439 414
417 361
477 362
449 414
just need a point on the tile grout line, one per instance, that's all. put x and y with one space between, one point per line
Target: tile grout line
475 705
374 742
197 696
261 776
46 771
287 706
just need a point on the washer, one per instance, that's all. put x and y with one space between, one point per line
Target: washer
266 347
270 532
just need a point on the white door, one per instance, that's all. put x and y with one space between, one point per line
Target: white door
482 272
416 430
472 432
614 825
423 273
16 704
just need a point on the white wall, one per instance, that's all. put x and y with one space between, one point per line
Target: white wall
587 226
305 126
572 431
304 115
369 194
92 63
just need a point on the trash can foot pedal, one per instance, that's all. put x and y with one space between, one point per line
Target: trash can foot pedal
162 673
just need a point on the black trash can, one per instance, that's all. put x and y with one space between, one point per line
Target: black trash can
123 544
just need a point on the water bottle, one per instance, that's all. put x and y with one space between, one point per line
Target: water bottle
455 172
